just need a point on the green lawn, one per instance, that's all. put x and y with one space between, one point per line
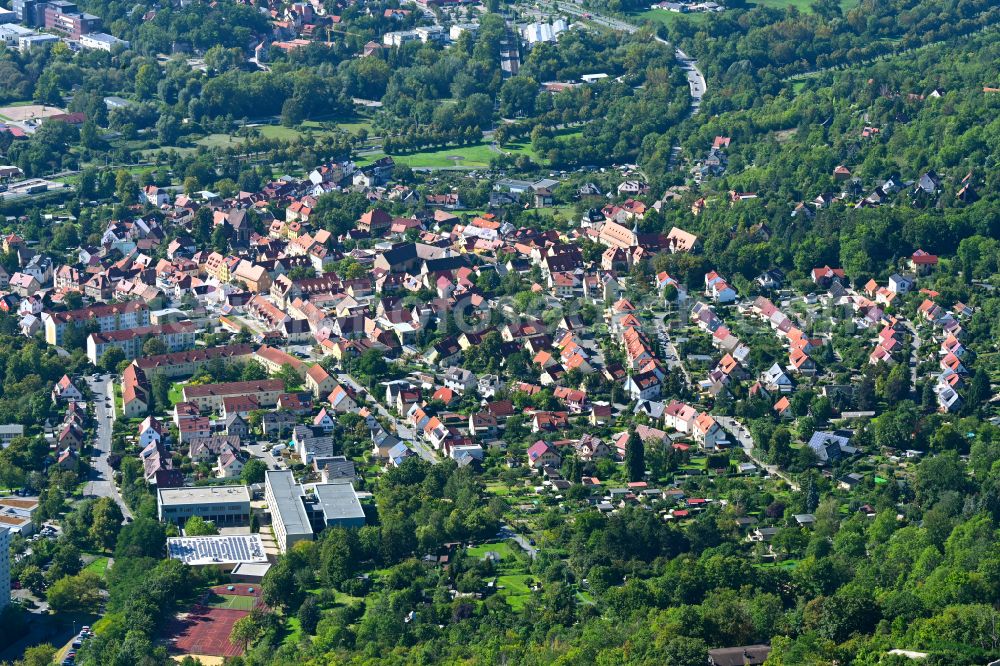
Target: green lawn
502 549
345 599
220 141
176 394
316 127
667 18
475 156
231 602
466 156
278 132
294 628
784 564
515 589
495 487
99 566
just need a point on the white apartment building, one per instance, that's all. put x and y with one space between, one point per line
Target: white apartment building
4 567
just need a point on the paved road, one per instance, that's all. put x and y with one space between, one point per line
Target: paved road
506 531
403 431
696 80
742 435
101 482
674 359
257 451
914 353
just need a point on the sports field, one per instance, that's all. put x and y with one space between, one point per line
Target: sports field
231 602
204 629
29 111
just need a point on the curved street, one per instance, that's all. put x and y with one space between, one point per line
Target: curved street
696 80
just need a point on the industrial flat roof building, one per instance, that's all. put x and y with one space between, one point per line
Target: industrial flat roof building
297 515
223 505
288 513
339 504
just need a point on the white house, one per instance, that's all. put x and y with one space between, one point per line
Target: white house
644 386
718 288
65 391
680 416
900 284
459 379
775 379
707 431
150 431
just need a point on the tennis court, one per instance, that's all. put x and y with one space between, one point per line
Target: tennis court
231 602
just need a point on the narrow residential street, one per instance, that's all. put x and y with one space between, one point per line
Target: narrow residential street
403 431
742 435
914 352
673 357
101 482
508 532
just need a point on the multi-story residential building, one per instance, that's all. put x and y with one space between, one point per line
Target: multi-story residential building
210 396
102 41
186 363
108 317
9 432
288 513
4 567
176 336
64 17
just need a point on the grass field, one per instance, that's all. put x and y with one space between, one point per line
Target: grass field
667 18
465 156
240 602
220 141
294 629
98 566
513 581
176 394
475 156
502 549
318 128
495 488
515 589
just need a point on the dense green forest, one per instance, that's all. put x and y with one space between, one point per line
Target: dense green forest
786 150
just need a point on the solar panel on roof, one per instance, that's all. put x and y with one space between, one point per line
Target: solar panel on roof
228 549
